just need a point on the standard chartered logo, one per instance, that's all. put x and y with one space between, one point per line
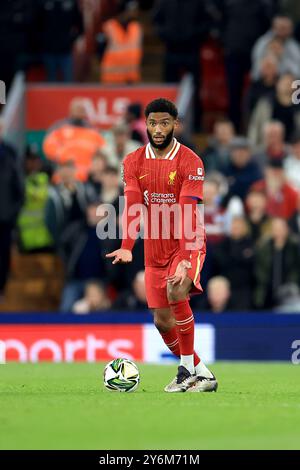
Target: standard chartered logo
163 198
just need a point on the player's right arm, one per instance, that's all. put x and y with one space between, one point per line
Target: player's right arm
130 218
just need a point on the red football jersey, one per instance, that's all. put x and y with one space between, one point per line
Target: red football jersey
162 182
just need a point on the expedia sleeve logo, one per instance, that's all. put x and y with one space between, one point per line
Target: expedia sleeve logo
198 177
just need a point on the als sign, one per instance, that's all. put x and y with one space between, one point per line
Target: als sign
104 105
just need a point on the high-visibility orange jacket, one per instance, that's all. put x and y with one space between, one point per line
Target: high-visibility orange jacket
75 143
123 53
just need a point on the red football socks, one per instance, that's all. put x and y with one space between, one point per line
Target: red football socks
185 325
171 341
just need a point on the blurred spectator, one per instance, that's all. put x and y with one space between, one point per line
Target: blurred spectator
288 299
33 234
218 294
292 163
274 146
134 298
120 46
217 218
294 221
279 107
182 26
263 86
60 24
214 219
279 41
11 200
291 8
182 136
217 154
77 115
281 197
241 171
94 181
16 26
73 139
242 23
110 189
256 215
135 119
83 253
214 213
219 211
67 203
120 146
276 264
234 260
94 299
33 163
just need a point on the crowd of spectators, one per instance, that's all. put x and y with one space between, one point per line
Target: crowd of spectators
251 158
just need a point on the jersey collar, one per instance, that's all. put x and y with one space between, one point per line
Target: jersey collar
170 155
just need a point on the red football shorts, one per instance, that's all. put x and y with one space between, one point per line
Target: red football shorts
156 282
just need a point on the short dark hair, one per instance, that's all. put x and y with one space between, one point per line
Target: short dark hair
161 105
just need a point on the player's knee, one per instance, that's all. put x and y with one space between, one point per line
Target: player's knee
176 293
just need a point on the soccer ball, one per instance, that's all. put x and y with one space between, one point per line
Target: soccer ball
121 375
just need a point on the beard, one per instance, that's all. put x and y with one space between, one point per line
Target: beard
164 144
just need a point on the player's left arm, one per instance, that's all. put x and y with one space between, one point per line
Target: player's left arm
191 202
192 215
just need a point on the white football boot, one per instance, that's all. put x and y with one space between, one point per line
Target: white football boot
182 382
204 384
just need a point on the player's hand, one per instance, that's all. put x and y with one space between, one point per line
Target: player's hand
121 256
180 273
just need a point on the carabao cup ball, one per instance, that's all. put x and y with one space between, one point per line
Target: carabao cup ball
121 375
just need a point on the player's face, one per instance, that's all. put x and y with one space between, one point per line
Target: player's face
160 129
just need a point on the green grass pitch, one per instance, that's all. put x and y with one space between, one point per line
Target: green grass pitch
64 406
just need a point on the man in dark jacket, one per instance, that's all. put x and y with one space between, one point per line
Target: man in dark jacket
182 25
234 260
60 23
242 171
241 23
11 200
277 263
16 31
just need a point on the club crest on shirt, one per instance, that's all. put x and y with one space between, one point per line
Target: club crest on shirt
172 176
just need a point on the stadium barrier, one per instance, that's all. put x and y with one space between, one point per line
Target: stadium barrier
31 108
13 114
101 337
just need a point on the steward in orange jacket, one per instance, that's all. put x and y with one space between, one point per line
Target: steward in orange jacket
73 140
122 57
